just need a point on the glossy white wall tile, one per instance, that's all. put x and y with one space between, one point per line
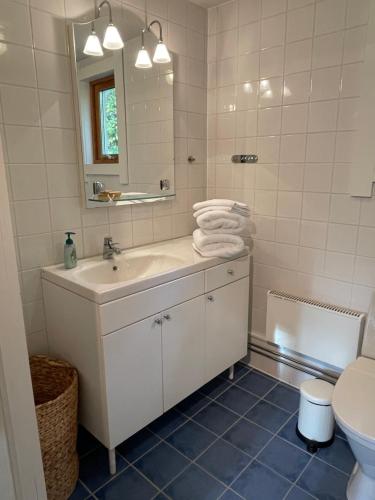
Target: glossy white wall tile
38 130
298 69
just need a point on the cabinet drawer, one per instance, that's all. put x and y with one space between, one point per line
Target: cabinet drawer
227 273
122 312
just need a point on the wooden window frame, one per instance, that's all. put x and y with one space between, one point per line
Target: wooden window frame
96 86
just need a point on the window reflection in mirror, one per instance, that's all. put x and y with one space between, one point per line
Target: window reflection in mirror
104 120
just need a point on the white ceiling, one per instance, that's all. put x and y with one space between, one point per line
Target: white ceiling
208 3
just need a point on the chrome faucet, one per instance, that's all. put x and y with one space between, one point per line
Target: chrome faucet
110 248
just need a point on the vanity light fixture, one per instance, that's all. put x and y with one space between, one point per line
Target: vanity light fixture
143 59
161 54
92 46
112 38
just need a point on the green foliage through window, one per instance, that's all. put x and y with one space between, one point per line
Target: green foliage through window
108 117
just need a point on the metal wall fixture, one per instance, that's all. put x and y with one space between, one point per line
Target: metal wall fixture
161 54
165 185
247 158
112 38
98 187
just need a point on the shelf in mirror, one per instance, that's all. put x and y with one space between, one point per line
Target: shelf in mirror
132 197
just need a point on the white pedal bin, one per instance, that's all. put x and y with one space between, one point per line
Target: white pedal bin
316 422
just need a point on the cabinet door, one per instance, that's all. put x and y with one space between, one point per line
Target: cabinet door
133 378
226 326
183 338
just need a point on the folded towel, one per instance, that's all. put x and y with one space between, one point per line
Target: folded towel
222 222
217 245
213 208
220 202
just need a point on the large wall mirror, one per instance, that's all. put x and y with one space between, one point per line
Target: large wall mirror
125 113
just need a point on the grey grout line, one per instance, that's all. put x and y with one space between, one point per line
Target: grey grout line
218 436
194 461
298 478
190 418
261 450
331 465
89 493
115 476
84 455
221 437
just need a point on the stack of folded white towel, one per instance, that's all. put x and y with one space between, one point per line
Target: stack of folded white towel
221 224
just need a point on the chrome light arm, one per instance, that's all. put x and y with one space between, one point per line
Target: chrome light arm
101 5
155 21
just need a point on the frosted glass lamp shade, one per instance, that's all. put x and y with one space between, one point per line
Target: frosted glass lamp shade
161 54
143 59
92 46
112 38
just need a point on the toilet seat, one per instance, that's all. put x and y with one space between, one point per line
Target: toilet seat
354 400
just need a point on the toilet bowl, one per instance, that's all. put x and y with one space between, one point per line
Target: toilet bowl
353 405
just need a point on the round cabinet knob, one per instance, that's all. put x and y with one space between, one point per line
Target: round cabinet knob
231 272
167 317
158 321
210 298
191 159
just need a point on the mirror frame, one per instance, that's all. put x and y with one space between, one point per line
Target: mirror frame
79 138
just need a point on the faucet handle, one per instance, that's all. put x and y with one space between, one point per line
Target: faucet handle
113 246
109 248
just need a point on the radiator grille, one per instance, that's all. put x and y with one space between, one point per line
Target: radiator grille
316 303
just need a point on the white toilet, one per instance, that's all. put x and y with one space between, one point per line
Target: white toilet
353 405
354 408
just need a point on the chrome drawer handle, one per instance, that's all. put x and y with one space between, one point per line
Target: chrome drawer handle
158 321
210 298
231 272
167 317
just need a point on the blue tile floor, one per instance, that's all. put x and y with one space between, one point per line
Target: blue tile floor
229 440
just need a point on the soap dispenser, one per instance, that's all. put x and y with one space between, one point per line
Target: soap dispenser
70 254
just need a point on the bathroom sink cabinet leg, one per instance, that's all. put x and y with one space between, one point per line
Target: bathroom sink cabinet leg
112 460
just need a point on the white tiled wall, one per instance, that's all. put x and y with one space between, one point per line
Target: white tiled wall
36 124
283 82
149 111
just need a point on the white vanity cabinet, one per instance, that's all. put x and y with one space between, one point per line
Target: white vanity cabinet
152 365
226 320
183 350
141 354
133 386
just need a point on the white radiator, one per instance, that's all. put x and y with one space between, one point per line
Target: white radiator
327 333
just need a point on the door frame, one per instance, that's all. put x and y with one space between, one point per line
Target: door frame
16 396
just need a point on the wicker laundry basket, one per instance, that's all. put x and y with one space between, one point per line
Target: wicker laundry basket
55 386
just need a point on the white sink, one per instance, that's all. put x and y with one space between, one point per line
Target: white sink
133 271
127 268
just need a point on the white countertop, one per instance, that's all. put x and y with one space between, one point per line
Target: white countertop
145 267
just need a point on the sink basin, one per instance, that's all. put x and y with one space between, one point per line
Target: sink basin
133 271
127 268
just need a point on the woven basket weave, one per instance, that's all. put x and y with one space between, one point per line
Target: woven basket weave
55 386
